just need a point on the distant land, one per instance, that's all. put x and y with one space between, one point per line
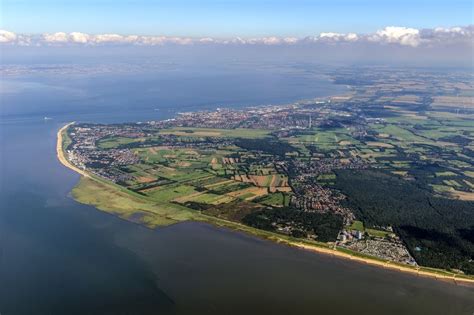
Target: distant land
383 174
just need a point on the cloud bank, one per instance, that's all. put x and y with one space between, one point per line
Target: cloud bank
390 35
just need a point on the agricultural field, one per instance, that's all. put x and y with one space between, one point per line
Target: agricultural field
207 177
114 142
213 132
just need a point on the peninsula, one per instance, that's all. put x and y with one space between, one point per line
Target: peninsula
387 182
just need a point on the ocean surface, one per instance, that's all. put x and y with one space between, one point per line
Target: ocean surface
60 257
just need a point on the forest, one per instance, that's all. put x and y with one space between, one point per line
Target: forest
325 226
437 231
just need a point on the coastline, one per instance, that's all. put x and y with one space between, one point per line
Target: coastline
322 248
60 152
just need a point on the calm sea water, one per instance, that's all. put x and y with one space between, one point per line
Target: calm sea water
61 257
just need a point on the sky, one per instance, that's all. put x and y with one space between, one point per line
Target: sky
229 18
419 32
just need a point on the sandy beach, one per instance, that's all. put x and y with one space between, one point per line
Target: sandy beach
385 264
60 152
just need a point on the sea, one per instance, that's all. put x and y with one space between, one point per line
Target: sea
61 257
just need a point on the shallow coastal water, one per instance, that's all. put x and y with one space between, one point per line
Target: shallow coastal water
61 257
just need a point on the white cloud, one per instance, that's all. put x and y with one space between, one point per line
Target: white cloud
152 40
107 38
7 37
77 37
207 40
393 35
179 40
331 35
59 37
337 37
351 37
62 37
398 35
448 35
453 30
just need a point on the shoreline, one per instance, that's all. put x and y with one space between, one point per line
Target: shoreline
60 152
338 253
416 271
443 275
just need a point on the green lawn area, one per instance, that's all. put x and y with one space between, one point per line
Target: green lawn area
128 205
179 175
210 180
210 198
170 192
66 139
211 132
357 225
326 139
246 195
399 133
452 183
377 233
113 142
442 189
275 199
227 187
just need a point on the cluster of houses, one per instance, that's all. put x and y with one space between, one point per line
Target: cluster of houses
312 196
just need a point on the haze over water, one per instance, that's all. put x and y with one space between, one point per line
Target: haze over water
61 257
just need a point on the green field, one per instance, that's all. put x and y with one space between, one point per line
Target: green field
129 206
378 233
275 199
66 139
113 142
170 192
211 132
357 225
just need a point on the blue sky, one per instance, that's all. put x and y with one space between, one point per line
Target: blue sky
224 18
